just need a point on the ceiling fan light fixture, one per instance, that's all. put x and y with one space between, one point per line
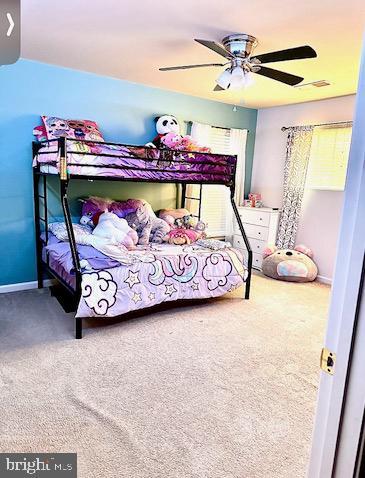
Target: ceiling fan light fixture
249 79
238 72
238 78
224 79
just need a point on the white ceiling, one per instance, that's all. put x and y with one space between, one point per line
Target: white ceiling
130 39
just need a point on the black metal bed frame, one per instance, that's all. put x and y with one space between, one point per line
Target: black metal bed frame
65 177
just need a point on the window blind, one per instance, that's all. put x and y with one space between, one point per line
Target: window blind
215 203
328 158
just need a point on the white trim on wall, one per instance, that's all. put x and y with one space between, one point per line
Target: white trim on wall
24 286
324 280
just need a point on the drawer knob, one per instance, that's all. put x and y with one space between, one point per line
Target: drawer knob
260 218
259 233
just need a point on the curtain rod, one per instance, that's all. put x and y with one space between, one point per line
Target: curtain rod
284 128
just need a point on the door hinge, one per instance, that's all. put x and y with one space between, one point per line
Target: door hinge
328 360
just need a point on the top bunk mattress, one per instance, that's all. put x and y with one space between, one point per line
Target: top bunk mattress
139 163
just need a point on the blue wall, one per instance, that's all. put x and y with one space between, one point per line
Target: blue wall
125 113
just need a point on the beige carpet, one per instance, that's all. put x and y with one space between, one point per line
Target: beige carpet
222 389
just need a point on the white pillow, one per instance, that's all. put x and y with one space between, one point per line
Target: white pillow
60 231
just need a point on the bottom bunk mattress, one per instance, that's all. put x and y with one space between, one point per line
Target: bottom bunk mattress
158 273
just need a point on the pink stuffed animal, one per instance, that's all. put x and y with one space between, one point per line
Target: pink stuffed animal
182 143
180 236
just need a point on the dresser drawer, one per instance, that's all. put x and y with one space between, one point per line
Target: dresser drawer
256 260
238 242
257 246
256 232
255 216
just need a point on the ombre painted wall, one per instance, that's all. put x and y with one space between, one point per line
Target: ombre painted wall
125 113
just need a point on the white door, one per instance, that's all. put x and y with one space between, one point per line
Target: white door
341 396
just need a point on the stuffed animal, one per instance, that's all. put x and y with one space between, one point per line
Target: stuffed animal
117 230
180 236
185 228
123 208
138 213
148 226
182 143
164 124
168 136
92 208
293 265
170 215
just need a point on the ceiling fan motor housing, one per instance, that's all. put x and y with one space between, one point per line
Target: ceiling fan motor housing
240 45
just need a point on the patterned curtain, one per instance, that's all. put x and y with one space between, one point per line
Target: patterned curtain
295 172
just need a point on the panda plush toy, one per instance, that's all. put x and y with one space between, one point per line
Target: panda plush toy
164 124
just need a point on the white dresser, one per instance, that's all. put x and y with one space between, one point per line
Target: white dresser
261 226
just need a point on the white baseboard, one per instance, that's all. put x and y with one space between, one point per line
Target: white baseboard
24 286
324 280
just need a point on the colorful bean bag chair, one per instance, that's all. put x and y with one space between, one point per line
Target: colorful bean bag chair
292 265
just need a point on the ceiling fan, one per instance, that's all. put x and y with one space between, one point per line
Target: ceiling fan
237 50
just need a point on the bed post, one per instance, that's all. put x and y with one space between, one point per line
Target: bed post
64 182
247 244
183 195
35 148
78 333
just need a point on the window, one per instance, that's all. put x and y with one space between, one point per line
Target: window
215 201
328 158
215 208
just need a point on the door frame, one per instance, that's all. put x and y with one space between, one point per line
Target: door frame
337 425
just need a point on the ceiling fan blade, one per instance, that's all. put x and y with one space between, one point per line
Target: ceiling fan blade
188 67
281 76
219 88
297 53
215 47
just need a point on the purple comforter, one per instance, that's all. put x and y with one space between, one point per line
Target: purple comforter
133 162
160 273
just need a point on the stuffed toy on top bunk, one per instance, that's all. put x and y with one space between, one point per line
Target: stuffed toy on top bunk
169 136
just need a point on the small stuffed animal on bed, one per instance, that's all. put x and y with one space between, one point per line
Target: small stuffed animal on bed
92 207
148 226
185 228
168 136
293 265
117 230
182 143
164 124
181 236
170 215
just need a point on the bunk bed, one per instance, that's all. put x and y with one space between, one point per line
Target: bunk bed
70 159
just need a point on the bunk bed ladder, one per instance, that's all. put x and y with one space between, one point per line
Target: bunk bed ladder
240 225
38 218
247 244
184 197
